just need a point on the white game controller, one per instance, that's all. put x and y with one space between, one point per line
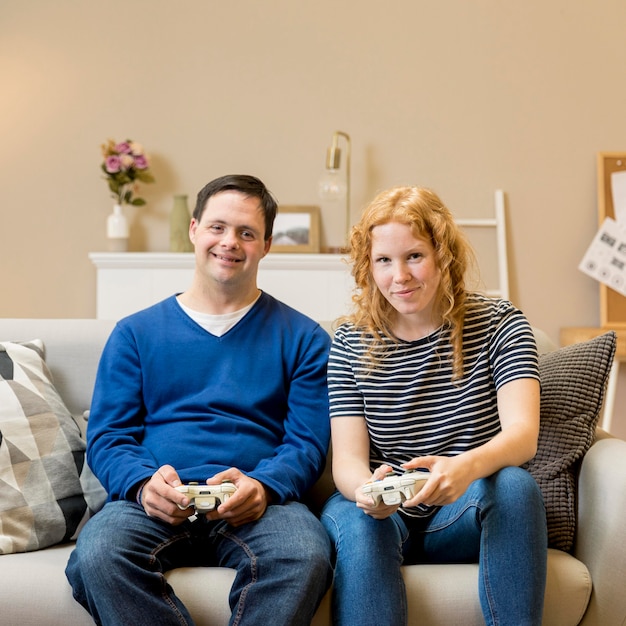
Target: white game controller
206 498
396 488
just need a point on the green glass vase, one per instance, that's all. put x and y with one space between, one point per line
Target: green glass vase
179 226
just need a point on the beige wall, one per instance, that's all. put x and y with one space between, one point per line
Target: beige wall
464 97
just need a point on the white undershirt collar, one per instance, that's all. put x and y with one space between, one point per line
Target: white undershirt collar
217 325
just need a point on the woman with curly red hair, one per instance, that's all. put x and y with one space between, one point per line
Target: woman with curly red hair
427 375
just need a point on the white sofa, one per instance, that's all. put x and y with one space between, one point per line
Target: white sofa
586 587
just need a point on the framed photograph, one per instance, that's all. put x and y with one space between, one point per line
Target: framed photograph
296 229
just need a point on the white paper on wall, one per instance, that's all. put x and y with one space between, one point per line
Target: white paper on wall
618 192
605 259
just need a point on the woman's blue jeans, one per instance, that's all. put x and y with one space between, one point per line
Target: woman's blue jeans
282 562
499 522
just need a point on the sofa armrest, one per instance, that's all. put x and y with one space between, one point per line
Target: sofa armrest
601 531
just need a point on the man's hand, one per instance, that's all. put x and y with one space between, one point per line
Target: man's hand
247 504
160 498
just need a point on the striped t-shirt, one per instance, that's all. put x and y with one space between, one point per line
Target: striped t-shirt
410 403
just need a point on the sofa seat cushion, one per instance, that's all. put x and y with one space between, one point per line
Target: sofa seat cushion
441 594
34 589
437 594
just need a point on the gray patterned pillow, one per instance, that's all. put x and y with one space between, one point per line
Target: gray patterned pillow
42 456
573 382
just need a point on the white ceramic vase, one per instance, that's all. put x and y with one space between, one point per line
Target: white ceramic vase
117 230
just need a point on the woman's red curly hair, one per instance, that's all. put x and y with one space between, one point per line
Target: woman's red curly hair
423 211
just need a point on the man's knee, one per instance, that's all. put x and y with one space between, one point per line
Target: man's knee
307 530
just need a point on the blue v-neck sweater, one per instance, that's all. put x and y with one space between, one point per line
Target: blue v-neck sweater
169 392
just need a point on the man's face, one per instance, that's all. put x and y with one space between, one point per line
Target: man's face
229 238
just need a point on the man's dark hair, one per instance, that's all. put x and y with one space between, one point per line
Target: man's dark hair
250 186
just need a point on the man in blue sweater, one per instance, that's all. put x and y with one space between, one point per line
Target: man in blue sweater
219 383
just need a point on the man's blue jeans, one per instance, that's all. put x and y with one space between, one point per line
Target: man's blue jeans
499 522
282 563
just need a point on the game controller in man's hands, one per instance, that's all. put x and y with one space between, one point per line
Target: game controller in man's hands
205 498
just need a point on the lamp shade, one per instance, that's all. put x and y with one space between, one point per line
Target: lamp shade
332 185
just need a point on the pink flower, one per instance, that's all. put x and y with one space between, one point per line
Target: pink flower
123 148
126 161
124 165
141 163
113 164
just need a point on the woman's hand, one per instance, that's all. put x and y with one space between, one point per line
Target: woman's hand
449 479
365 502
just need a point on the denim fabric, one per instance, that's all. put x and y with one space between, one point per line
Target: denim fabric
282 564
499 522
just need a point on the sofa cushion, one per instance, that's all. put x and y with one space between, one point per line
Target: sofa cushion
573 382
42 456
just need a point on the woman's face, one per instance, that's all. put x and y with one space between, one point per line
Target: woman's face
405 271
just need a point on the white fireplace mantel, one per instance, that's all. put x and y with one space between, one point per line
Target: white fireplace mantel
319 285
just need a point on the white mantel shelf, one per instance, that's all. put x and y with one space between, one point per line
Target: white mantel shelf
319 285
185 260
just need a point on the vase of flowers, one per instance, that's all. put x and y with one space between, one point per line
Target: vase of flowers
125 165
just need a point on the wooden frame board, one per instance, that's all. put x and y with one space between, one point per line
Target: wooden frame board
612 303
296 229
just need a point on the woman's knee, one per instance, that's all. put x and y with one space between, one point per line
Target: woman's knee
342 517
352 530
513 492
514 483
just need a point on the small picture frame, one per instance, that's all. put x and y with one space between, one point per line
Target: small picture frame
296 229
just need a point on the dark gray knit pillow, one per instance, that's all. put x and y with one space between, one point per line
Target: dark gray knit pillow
573 382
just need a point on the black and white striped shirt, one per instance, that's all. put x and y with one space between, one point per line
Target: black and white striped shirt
410 403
